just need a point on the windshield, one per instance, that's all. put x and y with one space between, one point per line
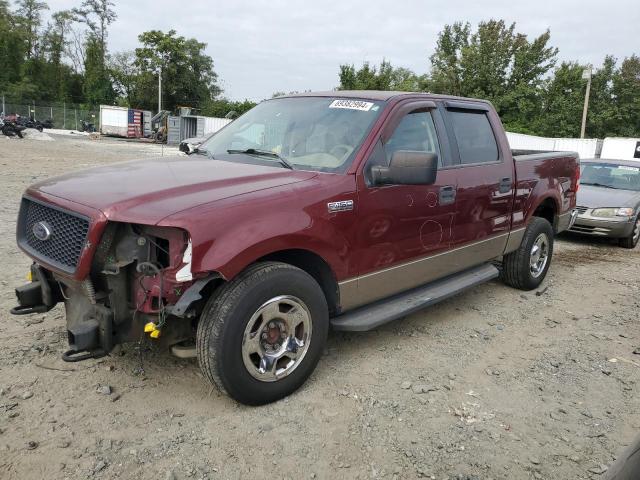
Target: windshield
308 133
610 175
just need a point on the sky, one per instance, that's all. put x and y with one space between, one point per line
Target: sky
260 47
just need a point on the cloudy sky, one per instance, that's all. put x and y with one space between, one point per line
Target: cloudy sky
260 47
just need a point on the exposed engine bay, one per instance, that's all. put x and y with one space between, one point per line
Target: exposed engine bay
140 282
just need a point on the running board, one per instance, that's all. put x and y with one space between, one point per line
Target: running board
384 311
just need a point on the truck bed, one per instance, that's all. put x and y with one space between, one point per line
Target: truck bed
540 154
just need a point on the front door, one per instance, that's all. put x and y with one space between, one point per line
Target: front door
400 227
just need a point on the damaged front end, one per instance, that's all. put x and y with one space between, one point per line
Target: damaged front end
139 276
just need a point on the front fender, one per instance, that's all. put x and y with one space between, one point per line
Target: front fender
238 247
227 235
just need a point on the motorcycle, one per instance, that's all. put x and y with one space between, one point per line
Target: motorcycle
32 123
87 126
11 129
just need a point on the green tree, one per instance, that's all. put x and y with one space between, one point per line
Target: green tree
223 107
97 15
124 74
602 116
562 100
11 48
446 69
188 77
97 83
626 92
496 63
382 77
29 17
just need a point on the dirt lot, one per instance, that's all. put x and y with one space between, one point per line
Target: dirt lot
492 384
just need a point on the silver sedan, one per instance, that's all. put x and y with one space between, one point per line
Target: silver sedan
609 200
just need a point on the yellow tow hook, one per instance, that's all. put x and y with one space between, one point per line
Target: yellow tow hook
152 329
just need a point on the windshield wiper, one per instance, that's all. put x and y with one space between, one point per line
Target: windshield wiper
595 184
264 153
203 151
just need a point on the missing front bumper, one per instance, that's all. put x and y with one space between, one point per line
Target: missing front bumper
37 296
89 326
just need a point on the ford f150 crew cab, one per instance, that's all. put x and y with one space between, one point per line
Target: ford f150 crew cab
339 209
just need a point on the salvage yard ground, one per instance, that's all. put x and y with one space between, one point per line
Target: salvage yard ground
491 384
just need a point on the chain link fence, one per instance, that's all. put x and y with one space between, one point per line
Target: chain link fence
63 115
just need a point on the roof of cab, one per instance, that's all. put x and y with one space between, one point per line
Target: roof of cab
380 95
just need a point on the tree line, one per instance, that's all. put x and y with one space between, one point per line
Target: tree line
66 59
522 77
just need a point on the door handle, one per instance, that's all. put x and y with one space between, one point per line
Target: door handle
447 195
505 185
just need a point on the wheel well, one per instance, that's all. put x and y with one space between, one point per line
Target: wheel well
315 266
547 210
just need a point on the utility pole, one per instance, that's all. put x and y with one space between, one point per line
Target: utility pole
586 75
160 89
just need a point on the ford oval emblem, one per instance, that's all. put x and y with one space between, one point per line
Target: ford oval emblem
42 231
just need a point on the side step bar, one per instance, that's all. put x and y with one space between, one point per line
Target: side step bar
384 311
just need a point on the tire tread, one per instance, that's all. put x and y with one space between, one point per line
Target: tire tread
217 312
515 271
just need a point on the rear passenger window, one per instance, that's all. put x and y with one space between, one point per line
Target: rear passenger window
416 132
474 135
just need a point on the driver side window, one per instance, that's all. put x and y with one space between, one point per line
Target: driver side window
416 132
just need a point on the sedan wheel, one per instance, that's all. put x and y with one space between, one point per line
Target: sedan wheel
632 240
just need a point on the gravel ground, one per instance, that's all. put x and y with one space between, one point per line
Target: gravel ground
492 384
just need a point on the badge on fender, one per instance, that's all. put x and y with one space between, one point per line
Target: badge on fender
342 206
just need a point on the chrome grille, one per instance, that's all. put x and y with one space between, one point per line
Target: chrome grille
581 210
68 234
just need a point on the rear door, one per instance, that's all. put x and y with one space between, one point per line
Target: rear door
486 179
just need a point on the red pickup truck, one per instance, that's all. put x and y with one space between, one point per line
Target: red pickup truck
339 209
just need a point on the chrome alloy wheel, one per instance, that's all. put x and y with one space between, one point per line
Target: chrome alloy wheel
539 255
276 338
636 231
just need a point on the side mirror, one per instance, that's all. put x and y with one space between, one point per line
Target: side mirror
407 168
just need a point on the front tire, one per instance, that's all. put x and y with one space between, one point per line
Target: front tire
261 335
527 267
632 240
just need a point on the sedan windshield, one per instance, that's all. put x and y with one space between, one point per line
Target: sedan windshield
622 177
308 133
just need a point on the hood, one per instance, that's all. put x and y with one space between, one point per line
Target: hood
146 191
591 196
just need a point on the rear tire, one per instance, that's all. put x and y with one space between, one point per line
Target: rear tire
261 335
527 267
627 465
632 240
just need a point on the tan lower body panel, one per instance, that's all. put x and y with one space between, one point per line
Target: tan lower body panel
563 221
515 239
384 283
